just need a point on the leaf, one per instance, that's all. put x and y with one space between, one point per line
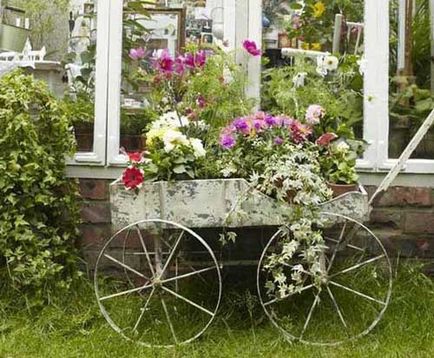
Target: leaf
179 169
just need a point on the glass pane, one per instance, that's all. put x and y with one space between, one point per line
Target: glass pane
56 41
411 84
170 25
314 55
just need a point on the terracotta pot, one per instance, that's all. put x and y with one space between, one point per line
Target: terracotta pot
341 189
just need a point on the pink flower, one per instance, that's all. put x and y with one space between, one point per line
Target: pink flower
179 65
326 139
252 48
296 22
164 62
278 141
314 114
135 157
133 178
137 53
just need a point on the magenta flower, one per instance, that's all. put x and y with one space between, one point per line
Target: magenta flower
271 121
252 48
164 62
227 141
179 66
195 60
314 114
137 53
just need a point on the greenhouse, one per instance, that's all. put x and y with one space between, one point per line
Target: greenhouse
216 178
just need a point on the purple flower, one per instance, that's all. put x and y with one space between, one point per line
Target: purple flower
195 60
242 125
278 141
227 141
270 121
314 114
259 125
296 22
201 101
164 62
252 48
137 53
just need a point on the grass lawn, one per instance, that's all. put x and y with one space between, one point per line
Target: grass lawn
73 327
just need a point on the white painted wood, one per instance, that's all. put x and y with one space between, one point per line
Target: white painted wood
115 78
401 35
337 33
230 21
98 156
254 63
376 81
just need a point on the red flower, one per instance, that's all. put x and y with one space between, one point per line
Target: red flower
326 139
135 157
133 178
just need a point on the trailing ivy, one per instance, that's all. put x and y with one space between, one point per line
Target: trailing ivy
38 210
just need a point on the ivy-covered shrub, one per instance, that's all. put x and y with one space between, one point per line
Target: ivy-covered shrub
38 211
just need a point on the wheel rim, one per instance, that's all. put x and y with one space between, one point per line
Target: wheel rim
151 290
352 296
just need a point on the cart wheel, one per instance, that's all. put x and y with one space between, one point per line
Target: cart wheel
158 283
354 292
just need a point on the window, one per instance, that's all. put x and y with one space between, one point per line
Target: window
100 34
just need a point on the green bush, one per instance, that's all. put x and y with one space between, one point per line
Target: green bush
38 211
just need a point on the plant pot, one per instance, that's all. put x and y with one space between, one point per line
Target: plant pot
13 38
341 189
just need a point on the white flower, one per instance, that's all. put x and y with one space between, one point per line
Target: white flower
331 63
172 138
170 120
326 63
198 149
342 147
298 79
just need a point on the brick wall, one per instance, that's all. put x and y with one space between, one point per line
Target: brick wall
403 218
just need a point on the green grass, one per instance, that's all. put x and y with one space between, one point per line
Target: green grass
73 327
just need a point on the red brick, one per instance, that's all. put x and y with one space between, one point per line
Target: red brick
419 222
96 212
386 217
94 189
94 236
404 196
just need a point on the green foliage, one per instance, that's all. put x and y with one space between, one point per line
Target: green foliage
38 212
339 92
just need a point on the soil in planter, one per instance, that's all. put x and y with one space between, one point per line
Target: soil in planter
341 189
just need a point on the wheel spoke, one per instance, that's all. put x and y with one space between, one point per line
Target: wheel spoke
166 312
341 316
335 251
172 253
352 268
288 295
357 293
176 278
187 300
309 316
348 245
137 289
125 266
148 258
144 309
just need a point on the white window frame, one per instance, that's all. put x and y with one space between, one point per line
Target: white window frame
97 157
376 81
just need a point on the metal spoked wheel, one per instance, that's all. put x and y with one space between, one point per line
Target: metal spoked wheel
354 292
158 283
